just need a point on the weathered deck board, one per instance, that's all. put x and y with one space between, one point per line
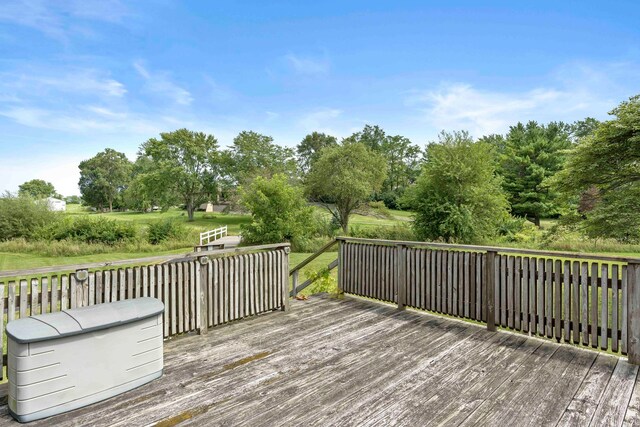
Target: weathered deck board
355 362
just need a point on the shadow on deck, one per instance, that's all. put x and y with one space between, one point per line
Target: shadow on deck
354 362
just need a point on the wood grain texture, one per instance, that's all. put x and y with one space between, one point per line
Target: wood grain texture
313 365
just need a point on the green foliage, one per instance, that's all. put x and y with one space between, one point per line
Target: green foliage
22 216
88 229
533 154
518 230
346 176
186 167
605 165
37 188
402 158
324 282
309 149
458 197
161 231
279 211
395 232
103 178
73 200
253 155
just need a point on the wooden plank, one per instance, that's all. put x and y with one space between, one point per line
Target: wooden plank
11 301
517 283
193 297
450 269
468 287
55 300
73 291
510 279
633 313
2 327
479 295
64 291
166 298
566 265
615 307
401 276
533 306
604 310
99 295
575 302
526 316
90 295
24 298
593 304
153 282
45 296
180 286
33 306
557 298
614 400
624 304
144 270
439 276
584 287
503 261
540 296
548 303
489 289
174 298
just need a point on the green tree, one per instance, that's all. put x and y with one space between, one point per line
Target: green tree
344 177
533 154
310 147
253 154
279 211
402 158
37 189
583 128
606 163
185 166
103 178
458 196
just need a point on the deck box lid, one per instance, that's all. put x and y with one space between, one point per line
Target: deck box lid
84 319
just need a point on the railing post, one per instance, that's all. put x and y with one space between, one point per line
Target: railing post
340 269
294 277
285 279
633 312
201 292
81 278
401 275
489 291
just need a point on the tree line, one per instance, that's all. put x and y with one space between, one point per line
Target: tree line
461 189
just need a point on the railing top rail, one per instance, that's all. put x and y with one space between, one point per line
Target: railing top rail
519 251
147 260
314 256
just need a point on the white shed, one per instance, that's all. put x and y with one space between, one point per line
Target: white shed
56 204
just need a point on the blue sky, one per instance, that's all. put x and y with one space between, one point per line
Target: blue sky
79 76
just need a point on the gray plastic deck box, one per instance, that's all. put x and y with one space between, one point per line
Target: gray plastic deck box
66 360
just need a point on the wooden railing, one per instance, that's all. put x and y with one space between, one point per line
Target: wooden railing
199 291
207 236
295 271
585 299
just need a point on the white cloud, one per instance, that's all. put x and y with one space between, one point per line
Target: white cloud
75 81
574 92
322 120
308 65
161 83
53 18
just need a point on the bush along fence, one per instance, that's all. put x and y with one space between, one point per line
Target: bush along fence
199 291
574 298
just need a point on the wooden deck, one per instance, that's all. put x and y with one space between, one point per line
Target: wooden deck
355 362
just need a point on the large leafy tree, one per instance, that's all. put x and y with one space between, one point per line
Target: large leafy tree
37 188
253 154
104 177
185 165
310 147
279 211
606 164
458 196
532 154
402 158
344 177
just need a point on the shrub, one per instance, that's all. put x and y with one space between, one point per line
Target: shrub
89 230
23 216
518 230
161 231
279 211
324 282
395 232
